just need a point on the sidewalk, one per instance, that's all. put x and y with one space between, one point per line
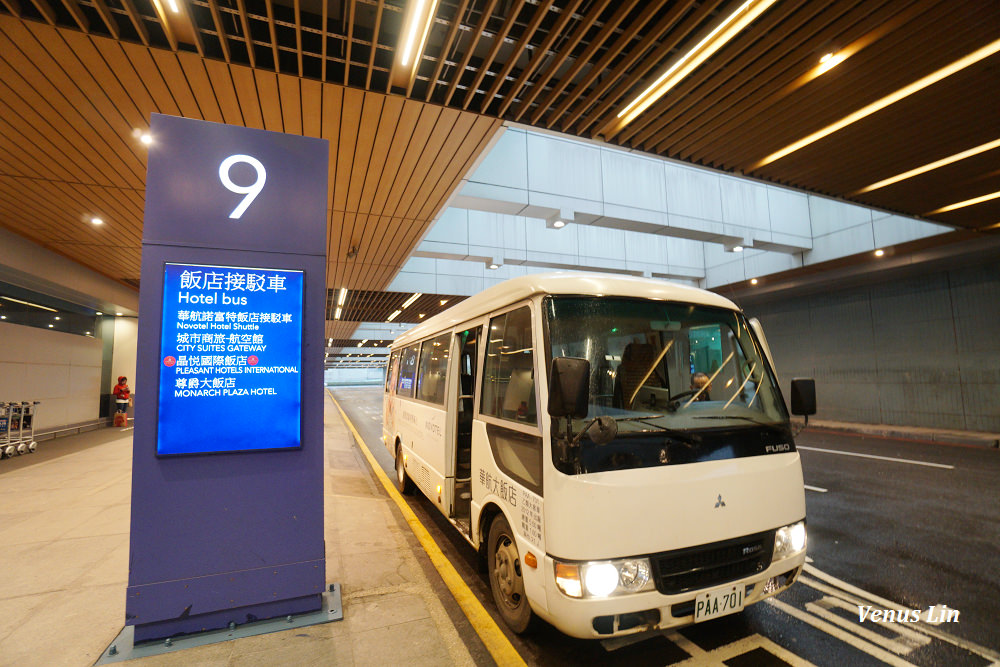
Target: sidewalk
945 436
64 524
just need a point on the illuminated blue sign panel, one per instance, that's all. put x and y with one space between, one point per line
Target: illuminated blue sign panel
230 358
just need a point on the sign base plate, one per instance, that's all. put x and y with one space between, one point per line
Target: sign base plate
123 647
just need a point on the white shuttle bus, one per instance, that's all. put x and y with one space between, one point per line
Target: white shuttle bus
617 449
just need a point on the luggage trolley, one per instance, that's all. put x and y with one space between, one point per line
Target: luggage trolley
6 449
15 445
28 409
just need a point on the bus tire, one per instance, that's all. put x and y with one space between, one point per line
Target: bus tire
506 582
403 482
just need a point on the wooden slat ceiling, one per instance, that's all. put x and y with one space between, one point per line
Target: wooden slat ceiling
378 306
78 76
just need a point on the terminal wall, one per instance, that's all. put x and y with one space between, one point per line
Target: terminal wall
61 370
916 352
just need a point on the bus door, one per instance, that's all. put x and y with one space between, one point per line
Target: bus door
388 402
467 344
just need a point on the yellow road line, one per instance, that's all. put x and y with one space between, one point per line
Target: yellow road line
496 642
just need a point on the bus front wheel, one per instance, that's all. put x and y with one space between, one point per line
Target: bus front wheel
506 582
403 481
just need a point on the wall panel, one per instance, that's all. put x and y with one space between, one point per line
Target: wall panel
914 352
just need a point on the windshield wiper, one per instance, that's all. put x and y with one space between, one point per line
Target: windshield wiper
741 417
637 419
678 434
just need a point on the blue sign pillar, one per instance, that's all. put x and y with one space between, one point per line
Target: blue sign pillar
227 469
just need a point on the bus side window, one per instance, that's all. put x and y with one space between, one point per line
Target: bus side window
390 371
508 377
407 371
432 369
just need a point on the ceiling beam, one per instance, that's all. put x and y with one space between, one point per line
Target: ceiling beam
445 48
470 48
564 51
539 54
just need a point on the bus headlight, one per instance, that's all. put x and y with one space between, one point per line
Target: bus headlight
600 579
789 540
603 578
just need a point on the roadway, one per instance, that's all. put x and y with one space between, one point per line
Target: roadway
891 524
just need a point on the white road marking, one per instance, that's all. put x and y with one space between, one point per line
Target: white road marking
815 488
842 635
717 657
858 595
906 640
880 458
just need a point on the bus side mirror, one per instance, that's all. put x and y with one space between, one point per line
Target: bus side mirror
569 387
803 396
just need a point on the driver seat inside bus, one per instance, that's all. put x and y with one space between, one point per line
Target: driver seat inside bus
636 360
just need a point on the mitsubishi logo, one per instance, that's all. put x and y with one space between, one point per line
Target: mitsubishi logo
720 502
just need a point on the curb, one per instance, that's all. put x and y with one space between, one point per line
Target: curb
966 438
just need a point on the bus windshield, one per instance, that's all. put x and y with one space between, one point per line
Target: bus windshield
689 372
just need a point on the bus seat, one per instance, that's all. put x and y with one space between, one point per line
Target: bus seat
520 389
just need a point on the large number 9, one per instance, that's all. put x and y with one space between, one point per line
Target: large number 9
251 191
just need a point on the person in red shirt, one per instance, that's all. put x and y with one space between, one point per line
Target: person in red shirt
123 394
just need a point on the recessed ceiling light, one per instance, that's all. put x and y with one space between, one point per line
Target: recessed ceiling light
559 224
444 301
119 314
146 138
51 326
97 221
879 104
3 317
753 281
416 295
421 315
57 318
879 252
98 313
394 315
829 61
737 248
494 266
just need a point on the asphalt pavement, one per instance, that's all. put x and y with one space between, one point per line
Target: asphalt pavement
893 524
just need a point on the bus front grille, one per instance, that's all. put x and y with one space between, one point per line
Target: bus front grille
713 564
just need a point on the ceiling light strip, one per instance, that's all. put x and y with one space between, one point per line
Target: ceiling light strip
28 303
413 298
878 105
967 202
720 35
931 166
420 23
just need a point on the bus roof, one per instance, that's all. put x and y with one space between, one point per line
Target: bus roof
560 282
